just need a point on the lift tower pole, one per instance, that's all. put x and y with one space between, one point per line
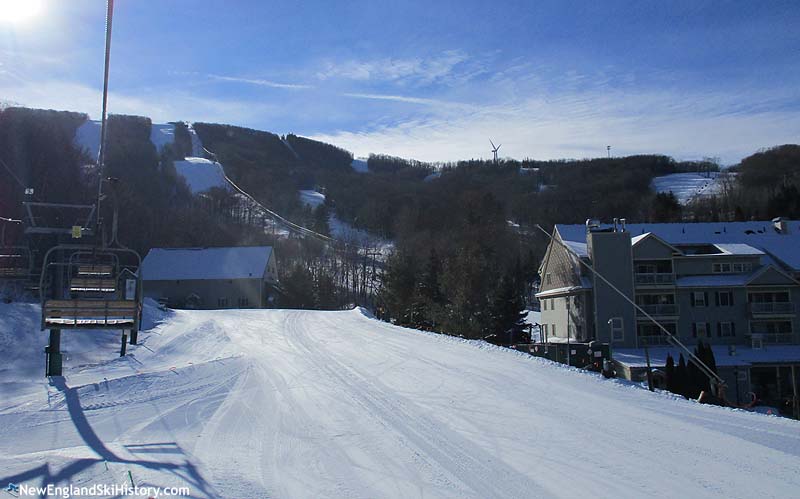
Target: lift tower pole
101 156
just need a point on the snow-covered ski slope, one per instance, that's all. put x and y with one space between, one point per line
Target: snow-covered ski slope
87 136
276 403
201 174
687 186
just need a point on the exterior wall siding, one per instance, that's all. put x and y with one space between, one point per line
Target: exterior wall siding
612 257
210 292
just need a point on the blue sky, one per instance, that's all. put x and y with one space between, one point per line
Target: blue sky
431 80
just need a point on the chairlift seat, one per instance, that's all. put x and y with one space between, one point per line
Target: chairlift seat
86 270
85 284
89 313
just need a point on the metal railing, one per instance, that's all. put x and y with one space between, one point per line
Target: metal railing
772 338
653 340
772 308
655 278
659 309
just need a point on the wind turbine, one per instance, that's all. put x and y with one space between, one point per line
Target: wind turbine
494 150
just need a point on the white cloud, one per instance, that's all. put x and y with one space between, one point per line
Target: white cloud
412 100
683 125
160 106
260 82
417 70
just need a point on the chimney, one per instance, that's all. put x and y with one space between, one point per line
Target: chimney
781 225
622 222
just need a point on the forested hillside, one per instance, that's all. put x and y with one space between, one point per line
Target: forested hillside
465 248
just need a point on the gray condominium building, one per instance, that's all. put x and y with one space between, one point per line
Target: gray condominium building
733 285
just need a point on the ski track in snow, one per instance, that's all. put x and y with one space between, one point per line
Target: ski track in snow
289 403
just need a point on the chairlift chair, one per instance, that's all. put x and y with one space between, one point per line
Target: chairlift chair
91 288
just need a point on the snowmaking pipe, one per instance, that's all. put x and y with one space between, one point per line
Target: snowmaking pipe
671 337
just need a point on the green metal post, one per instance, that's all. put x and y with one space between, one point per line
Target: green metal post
53 351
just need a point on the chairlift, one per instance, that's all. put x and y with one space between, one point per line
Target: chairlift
16 262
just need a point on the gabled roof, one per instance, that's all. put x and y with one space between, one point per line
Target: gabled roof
170 264
649 235
761 236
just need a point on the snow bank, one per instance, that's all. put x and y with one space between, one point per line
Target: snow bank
312 198
201 174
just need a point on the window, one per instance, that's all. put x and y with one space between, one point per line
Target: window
553 329
699 299
645 268
543 336
724 298
549 278
544 304
700 330
222 302
727 268
726 329
552 303
617 331
721 268
244 302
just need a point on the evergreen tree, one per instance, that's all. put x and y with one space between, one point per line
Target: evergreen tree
669 369
507 319
297 288
682 378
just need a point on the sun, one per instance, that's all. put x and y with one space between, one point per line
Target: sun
18 11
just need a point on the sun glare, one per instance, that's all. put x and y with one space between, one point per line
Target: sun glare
18 11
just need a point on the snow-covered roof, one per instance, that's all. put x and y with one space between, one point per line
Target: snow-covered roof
585 284
738 249
745 356
757 235
169 264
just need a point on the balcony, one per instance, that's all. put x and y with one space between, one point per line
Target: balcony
662 309
770 338
771 308
655 279
653 340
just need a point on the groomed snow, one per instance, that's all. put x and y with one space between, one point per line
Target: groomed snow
201 174
276 403
686 186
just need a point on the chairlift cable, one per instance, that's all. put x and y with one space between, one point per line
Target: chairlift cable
296 227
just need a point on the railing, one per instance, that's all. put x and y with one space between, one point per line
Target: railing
772 308
659 309
655 278
651 340
772 338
